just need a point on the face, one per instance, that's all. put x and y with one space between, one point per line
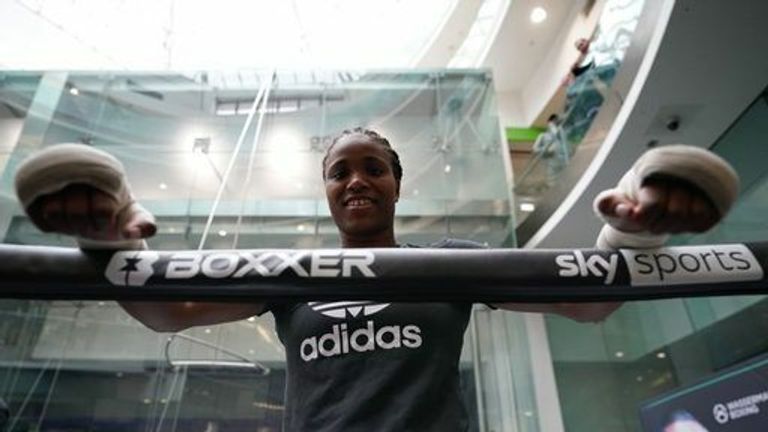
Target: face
360 187
582 44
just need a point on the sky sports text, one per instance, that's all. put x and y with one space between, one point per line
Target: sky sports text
668 266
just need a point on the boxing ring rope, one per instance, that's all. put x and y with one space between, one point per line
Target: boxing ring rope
395 274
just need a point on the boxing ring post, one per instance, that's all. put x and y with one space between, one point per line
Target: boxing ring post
476 275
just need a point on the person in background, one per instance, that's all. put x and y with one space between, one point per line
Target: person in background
552 146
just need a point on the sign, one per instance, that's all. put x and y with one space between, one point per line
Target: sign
735 400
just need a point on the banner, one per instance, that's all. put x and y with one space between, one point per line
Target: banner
735 400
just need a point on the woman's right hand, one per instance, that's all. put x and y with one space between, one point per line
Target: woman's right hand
87 212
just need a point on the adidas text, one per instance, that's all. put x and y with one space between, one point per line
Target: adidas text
342 341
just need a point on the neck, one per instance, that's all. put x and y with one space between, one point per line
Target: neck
383 240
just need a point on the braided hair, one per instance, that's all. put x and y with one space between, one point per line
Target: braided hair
397 169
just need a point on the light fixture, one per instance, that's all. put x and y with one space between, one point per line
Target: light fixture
661 355
538 15
619 354
74 91
527 207
163 186
300 227
447 168
251 319
207 331
222 233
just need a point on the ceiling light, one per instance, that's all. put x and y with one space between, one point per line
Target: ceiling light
619 354
661 355
207 331
251 319
222 233
300 227
527 207
74 91
538 14
447 169
163 186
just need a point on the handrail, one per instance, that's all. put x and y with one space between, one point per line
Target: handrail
393 274
244 362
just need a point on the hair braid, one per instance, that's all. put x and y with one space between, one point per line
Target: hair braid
397 169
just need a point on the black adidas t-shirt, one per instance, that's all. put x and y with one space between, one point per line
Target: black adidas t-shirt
366 366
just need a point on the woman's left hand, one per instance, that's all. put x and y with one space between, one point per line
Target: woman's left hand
664 205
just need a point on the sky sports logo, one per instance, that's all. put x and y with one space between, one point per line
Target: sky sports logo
666 266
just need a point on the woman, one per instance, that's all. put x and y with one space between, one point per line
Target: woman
357 365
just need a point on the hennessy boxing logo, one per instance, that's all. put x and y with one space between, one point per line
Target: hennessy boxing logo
130 268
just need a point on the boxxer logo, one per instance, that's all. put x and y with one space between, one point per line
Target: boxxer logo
576 264
225 264
130 268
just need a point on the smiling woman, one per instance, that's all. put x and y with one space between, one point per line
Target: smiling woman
362 175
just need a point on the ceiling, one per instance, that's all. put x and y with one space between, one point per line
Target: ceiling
305 34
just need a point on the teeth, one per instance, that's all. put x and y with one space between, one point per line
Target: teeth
358 202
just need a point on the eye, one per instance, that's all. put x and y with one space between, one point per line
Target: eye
337 173
376 170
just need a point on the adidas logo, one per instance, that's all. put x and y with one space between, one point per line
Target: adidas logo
347 309
342 340
131 268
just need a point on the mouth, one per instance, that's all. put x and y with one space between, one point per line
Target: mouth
356 203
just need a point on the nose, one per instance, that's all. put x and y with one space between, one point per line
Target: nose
357 182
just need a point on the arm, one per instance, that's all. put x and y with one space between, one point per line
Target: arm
669 190
78 190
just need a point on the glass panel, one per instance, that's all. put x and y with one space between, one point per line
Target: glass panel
70 366
649 350
589 87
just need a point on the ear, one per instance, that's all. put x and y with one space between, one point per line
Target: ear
397 192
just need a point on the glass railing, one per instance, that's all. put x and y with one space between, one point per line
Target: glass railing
72 366
584 96
665 365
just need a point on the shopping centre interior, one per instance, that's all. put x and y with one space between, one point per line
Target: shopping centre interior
222 112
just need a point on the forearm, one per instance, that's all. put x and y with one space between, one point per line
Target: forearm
174 317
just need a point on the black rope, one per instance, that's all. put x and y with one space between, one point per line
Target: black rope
472 275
